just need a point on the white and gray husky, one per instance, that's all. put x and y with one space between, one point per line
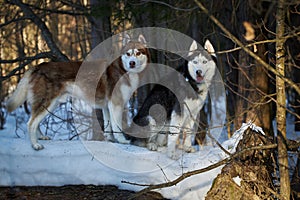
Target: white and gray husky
43 85
181 106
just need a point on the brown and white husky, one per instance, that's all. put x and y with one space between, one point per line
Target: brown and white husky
42 86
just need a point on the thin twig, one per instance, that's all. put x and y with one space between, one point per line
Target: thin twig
256 43
161 169
208 132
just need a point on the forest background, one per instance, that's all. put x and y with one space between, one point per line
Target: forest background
257 44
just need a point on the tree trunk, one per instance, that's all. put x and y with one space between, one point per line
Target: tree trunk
101 30
281 101
253 81
101 26
246 177
260 112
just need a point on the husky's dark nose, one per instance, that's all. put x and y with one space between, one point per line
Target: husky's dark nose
199 72
132 64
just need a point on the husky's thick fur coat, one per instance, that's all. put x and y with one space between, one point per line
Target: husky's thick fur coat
181 110
46 83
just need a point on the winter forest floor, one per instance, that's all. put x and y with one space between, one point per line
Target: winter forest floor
89 192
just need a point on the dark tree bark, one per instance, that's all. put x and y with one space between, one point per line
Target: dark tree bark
253 81
101 26
293 45
262 111
246 177
101 30
295 184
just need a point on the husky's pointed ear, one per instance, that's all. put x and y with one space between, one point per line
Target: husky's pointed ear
209 48
193 48
142 39
126 39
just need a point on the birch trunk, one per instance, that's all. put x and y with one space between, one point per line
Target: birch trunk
281 101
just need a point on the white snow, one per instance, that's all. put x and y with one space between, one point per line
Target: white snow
252 126
64 162
237 180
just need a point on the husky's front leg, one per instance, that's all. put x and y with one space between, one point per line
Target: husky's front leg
116 112
174 131
108 134
159 136
187 142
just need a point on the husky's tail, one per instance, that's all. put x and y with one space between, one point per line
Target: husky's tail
20 94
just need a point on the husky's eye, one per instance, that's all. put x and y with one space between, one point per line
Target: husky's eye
204 61
195 62
128 54
138 53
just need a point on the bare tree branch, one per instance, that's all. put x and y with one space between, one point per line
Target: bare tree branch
42 26
198 171
247 50
79 10
13 20
30 58
26 60
256 43
168 5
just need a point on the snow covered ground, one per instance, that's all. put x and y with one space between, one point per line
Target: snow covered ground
64 162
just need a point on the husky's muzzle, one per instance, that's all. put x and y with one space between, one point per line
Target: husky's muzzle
132 64
199 76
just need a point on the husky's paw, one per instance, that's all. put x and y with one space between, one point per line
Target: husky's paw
180 146
122 140
138 142
109 138
152 146
162 139
44 137
152 122
189 149
37 146
174 154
